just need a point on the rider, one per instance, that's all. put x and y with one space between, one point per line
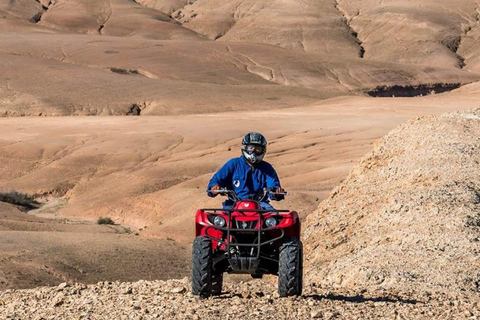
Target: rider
248 174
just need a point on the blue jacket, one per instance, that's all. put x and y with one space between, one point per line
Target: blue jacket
237 175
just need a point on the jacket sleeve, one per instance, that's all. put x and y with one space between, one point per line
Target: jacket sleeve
222 177
273 182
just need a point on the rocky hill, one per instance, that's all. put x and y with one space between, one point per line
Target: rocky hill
408 216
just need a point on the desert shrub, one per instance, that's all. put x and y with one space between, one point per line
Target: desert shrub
124 71
20 199
119 70
135 110
105 220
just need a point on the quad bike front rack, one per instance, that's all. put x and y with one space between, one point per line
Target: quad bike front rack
243 263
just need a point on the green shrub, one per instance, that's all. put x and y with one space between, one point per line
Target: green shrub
105 220
20 199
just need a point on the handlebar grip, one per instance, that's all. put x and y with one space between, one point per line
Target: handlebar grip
219 191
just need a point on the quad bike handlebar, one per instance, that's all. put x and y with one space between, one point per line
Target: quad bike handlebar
261 195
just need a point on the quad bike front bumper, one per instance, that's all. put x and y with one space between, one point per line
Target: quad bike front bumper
241 243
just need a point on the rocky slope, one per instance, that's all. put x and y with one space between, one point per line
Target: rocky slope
408 215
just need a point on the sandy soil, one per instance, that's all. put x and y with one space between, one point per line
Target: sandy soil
40 251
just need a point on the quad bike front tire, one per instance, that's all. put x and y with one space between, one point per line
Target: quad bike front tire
300 283
202 267
217 283
290 268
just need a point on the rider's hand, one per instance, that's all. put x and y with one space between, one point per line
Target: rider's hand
214 189
277 196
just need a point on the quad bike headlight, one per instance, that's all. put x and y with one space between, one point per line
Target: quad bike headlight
219 221
271 222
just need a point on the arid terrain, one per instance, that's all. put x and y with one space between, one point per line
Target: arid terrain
124 109
399 239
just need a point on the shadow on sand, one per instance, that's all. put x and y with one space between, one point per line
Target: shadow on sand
360 298
355 299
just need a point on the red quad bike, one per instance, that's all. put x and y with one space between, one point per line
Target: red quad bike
248 240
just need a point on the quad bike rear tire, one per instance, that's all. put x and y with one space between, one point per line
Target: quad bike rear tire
202 267
290 268
217 283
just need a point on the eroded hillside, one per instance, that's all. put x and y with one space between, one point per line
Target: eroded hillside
152 171
181 57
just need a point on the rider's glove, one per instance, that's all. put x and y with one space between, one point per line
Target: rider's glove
279 197
213 190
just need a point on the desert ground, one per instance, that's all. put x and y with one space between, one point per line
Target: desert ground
125 109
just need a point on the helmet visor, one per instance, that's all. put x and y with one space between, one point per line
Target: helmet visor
254 148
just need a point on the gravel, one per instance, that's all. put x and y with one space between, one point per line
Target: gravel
408 216
256 299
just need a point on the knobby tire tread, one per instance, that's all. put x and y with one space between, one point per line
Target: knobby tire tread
217 283
202 267
290 268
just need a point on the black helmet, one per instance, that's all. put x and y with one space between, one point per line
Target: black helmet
254 147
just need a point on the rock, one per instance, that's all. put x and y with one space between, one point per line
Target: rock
178 290
127 290
62 286
331 315
57 301
317 314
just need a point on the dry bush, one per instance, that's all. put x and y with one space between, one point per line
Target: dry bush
105 220
23 200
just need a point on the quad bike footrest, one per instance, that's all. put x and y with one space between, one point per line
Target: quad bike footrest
244 264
